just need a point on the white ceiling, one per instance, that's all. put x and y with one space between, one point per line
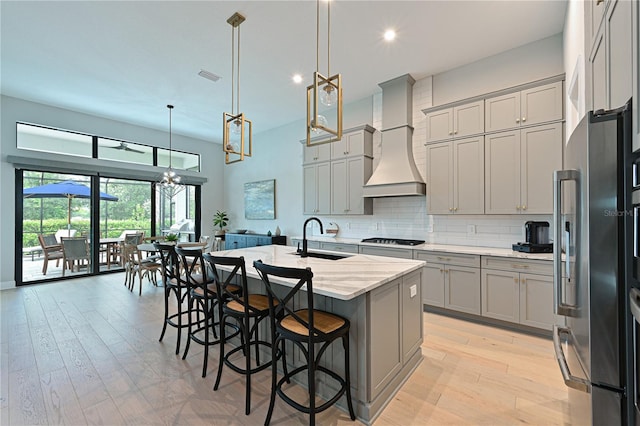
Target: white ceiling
126 60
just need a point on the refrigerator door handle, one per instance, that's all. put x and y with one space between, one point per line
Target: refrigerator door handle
571 381
560 307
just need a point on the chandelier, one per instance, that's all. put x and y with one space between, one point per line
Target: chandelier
325 89
171 183
236 137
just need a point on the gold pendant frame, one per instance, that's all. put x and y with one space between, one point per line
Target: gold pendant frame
321 83
227 147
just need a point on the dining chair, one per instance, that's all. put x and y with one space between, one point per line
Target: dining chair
305 327
248 310
51 250
203 302
175 292
74 250
135 264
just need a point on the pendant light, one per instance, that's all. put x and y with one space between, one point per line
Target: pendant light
236 136
326 90
171 183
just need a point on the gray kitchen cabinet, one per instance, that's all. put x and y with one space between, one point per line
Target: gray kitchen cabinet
535 105
401 253
317 188
518 291
347 248
296 242
455 173
457 122
450 280
519 167
609 29
347 179
237 241
334 186
353 143
317 153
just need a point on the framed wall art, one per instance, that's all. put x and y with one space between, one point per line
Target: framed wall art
260 199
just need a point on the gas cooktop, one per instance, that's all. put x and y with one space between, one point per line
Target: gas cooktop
393 241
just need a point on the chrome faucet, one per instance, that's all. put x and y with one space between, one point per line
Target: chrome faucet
303 253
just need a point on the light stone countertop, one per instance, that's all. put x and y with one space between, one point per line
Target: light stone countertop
342 279
476 250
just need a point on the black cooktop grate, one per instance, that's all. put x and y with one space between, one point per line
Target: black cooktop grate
398 241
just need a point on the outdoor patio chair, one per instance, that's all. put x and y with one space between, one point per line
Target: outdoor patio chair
74 249
51 249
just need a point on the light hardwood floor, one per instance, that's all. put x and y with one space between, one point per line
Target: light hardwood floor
86 351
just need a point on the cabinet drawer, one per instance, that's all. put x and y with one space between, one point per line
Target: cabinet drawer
310 244
348 248
471 260
387 251
541 267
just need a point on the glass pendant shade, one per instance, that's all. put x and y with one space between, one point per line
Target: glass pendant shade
328 96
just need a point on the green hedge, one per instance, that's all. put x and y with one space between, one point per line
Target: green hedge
31 228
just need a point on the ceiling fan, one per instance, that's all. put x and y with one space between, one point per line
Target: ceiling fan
125 147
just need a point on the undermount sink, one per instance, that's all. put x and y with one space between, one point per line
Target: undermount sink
328 256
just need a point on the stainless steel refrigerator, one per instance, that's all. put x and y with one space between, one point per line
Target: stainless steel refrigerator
592 240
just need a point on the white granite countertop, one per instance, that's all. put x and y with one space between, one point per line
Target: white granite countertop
343 279
477 250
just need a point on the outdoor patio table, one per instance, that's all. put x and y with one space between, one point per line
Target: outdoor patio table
110 243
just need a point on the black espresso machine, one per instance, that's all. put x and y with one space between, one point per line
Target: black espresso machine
537 238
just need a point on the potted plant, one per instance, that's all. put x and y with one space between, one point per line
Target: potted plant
220 219
171 238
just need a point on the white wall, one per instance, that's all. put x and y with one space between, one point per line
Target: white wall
531 62
14 110
278 154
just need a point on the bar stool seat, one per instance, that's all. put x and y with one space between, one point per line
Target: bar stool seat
305 328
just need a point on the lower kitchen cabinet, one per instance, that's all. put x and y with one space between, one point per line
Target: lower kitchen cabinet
236 241
451 281
519 297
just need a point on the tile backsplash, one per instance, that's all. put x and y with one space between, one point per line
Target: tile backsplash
406 217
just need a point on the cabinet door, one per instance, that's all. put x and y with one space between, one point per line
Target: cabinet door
502 173
324 188
619 52
349 145
536 301
541 104
358 173
263 241
468 175
433 285
440 178
502 112
310 178
500 295
317 153
411 315
439 125
462 289
468 119
339 203
541 154
597 62
595 10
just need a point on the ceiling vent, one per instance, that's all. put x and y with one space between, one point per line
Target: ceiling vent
209 75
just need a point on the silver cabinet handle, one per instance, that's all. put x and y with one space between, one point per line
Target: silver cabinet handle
450 133
517 266
517 120
570 380
598 2
524 119
560 307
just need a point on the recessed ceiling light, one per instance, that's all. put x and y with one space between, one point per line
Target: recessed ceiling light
297 78
389 35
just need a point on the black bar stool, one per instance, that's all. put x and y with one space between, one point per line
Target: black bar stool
305 327
248 310
203 301
173 287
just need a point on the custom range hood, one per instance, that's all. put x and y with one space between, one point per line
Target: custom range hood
396 174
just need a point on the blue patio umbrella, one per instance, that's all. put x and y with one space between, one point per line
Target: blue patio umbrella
67 189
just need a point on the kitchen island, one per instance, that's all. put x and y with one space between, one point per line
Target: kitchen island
380 296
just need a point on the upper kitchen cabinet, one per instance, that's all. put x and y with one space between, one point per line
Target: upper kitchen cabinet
455 176
317 153
531 106
353 143
347 178
519 167
456 122
317 187
610 67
